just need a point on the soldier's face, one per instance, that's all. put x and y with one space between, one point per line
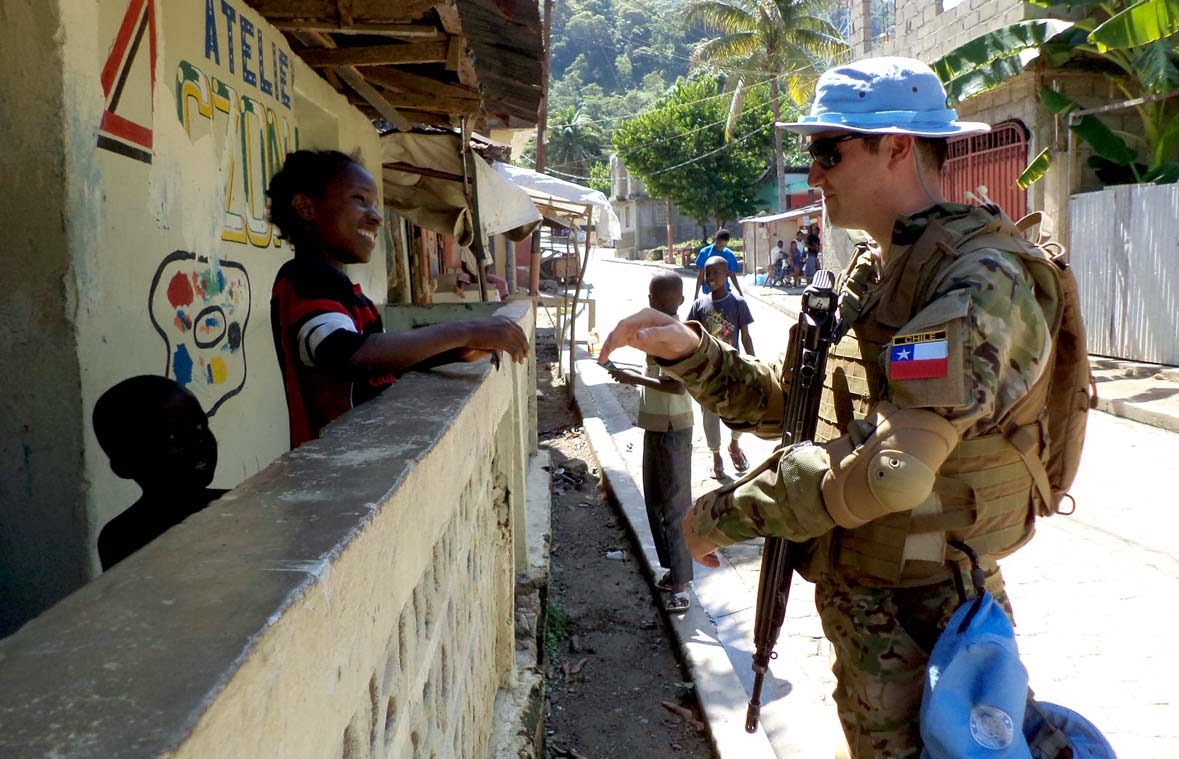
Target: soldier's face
852 188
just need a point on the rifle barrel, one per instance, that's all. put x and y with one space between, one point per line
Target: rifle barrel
813 336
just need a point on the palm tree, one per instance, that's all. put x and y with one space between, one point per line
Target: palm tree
572 143
784 42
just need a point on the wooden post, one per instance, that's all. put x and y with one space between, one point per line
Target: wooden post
542 120
670 236
471 190
589 210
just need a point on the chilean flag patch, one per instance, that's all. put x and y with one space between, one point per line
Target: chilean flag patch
919 356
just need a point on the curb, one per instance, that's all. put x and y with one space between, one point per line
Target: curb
718 689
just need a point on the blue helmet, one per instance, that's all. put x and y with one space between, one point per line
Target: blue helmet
976 703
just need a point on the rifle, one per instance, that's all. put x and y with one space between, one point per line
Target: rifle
810 339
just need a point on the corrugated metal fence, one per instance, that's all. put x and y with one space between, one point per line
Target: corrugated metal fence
1125 252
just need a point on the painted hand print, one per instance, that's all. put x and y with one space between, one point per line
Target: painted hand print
200 307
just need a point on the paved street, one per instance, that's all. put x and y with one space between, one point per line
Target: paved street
1090 592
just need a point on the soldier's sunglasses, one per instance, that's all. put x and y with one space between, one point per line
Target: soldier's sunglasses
825 152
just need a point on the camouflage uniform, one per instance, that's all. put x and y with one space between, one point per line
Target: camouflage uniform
883 617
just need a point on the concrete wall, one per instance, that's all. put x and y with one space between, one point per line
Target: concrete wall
925 30
43 525
141 137
644 226
352 599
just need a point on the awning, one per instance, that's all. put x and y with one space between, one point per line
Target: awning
565 202
422 175
813 208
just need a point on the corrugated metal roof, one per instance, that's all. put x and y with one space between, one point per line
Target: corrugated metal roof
791 214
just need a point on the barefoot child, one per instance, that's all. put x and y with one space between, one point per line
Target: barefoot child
665 414
156 433
726 317
331 344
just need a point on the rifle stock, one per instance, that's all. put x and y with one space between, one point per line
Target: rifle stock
810 339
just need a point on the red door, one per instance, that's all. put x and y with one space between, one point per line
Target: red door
992 161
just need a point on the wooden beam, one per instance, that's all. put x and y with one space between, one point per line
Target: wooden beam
403 81
433 103
344 12
455 52
448 15
414 117
369 10
435 119
399 31
376 55
357 82
374 97
409 168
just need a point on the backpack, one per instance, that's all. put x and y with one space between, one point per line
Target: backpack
1070 390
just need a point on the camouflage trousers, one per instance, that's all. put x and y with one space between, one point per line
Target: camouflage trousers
882 639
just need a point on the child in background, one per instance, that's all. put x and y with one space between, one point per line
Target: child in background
725 316
720 247
156 433
332 348
665 414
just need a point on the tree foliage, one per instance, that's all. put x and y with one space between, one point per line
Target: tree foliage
785 43
610 59
678 149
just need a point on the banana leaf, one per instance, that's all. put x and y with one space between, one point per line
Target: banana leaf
994 57
1166 173
1140 24
1156 69
1167 148
1035 170
1099 137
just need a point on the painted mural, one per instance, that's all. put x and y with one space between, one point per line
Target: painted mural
123 130
200 306
241 93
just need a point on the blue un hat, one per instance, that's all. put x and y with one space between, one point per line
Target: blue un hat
883 96
976 688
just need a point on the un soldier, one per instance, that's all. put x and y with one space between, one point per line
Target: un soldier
930 427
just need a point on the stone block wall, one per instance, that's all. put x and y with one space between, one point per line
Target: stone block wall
926 29
353 599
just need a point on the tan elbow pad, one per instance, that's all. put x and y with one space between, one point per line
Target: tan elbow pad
893 470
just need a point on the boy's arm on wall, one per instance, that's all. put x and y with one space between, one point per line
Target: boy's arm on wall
398 352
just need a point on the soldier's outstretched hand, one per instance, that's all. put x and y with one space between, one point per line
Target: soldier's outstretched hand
654 333
702 549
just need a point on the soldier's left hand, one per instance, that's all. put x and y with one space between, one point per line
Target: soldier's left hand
702 549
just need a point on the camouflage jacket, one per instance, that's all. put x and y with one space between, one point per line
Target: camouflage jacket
1007 340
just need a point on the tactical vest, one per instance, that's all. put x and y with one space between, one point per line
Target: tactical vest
987 491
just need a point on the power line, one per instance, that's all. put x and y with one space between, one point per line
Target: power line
688 162
673 105
726 146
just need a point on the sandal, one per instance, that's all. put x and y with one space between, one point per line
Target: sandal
718 473
738 457
664 582
678 603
